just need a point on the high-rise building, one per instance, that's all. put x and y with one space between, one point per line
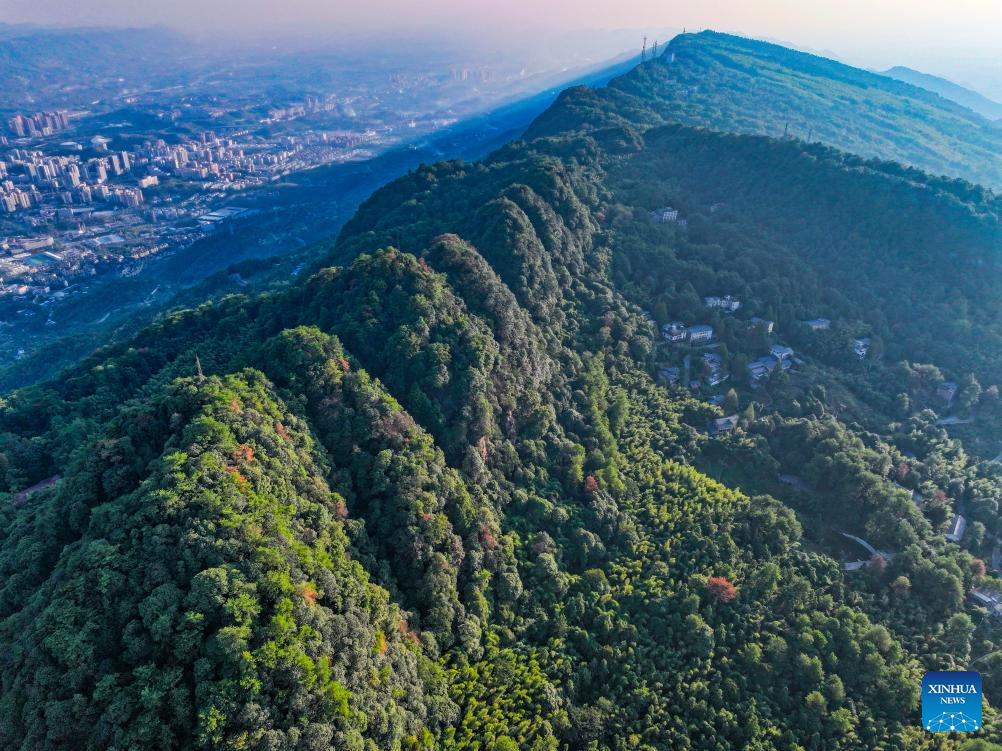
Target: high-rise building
130 197
96 171
18 126
40 123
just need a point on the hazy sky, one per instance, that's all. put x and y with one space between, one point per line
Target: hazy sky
867 32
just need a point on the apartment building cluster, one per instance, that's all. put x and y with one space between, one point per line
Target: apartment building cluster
14 199
311 105
29 177
250 161
38 124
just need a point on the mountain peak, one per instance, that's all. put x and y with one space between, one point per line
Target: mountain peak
730 83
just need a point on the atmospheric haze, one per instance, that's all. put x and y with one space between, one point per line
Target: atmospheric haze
857 26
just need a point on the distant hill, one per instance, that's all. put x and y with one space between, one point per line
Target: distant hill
948 89
733 84
45 67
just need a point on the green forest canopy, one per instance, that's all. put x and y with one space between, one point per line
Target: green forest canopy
433 497
732 84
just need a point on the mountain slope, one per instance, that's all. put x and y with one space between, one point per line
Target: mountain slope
949 90
739 85
314 209
433 497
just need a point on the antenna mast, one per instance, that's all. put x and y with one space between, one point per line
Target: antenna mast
643 51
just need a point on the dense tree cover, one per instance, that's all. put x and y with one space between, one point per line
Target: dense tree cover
910 263
739 85
432 497
197 590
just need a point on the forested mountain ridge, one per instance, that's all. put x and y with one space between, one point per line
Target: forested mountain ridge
949 90
739 85
433 496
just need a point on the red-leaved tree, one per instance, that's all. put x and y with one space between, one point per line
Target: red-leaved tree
721 589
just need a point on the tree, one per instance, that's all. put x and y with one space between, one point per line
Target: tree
878 565
969 393
758 338
731 404
976 536
901 587
739 366
721 589
903 405
876 351
923 378
979 744
660 313
957 635
990 401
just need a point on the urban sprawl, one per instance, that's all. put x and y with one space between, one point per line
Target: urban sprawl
78 208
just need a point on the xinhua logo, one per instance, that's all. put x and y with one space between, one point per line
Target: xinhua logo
951 700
